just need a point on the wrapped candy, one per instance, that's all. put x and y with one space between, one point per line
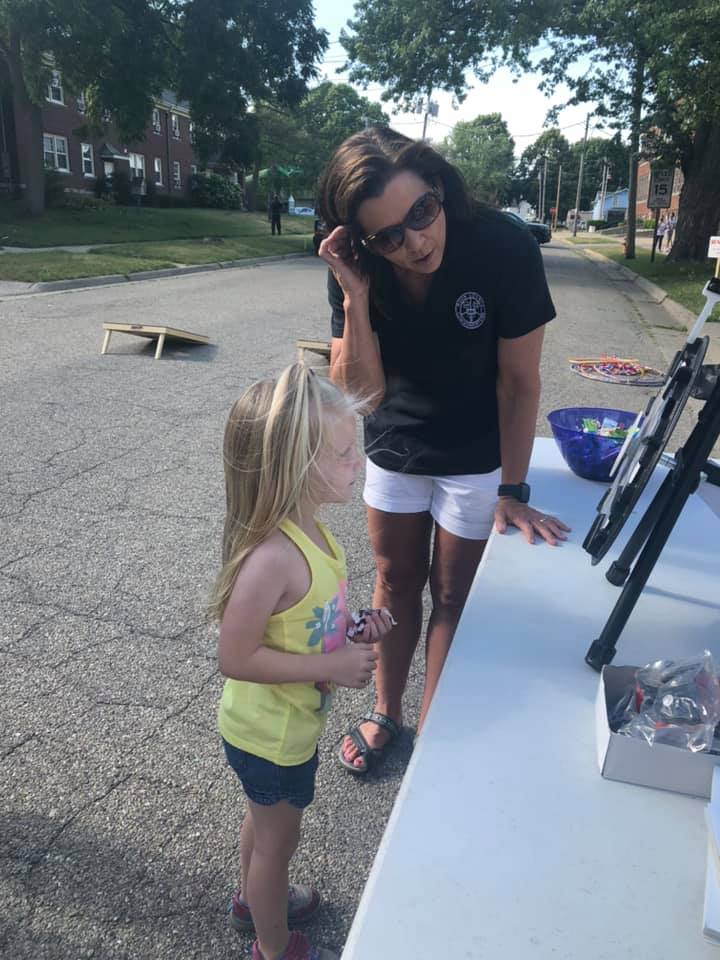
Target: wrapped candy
359 619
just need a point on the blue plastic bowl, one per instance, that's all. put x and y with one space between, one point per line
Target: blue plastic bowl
587 454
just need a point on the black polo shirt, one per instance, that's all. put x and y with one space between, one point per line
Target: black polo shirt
439 414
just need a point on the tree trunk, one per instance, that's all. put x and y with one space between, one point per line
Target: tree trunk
637 100
699 211
28 133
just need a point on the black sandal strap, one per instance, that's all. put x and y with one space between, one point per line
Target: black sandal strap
387 723
359 740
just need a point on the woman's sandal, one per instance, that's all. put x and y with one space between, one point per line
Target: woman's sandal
369 755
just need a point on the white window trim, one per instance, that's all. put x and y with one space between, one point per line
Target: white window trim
175 124
55 81
90 175
56 137
81 104
157 127
177 180
135 167
157 169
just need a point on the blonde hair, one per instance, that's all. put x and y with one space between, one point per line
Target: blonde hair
273 436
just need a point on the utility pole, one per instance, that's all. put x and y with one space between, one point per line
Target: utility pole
544 190
638 89
557 198
580 175
431 109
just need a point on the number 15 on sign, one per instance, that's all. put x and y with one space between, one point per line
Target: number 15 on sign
661 186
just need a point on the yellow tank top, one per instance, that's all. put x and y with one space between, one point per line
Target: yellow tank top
282 722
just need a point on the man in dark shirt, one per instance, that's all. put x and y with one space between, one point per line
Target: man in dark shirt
275 210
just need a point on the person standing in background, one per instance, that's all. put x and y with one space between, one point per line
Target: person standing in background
275 210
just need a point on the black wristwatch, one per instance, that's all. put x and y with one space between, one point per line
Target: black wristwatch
518 491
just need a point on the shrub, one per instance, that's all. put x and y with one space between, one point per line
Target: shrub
598 224
73 200
121 190
102 188
54 188
212 190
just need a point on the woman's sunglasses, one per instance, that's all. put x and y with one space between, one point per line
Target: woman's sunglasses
423 212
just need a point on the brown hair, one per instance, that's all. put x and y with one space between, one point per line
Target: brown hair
361 168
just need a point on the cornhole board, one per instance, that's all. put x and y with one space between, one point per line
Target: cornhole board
321 347
161 334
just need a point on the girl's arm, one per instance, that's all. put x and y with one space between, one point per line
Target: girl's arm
259 588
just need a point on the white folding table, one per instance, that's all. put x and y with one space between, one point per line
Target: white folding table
505 842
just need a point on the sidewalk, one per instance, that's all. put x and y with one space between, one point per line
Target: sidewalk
14 288
666 318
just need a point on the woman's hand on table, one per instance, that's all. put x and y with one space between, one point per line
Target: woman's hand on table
512 513
337 251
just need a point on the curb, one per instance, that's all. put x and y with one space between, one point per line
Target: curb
677 311
79 283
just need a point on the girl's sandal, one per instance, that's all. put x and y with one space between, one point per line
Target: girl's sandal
369 755
303 903
298 948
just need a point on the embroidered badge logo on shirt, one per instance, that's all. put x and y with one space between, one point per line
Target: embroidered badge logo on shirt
470 310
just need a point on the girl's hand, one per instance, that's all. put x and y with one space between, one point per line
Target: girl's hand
336 250
352 665
378 623
510 512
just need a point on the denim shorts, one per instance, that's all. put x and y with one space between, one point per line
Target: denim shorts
267 783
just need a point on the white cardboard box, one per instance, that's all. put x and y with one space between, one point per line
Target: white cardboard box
632 760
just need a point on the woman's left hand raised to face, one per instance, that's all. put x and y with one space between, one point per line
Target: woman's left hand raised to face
512 513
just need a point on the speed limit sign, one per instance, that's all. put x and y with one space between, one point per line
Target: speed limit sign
661 185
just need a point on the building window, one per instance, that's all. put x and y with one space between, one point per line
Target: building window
88 159
191 132
81 105
137 165
56 152
158 171
175 123
177 181
55 90
193 168
156 120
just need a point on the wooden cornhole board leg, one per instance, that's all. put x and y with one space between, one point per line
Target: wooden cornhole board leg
152 332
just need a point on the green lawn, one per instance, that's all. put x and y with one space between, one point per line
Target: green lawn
113 224
197 251
35 267
682 281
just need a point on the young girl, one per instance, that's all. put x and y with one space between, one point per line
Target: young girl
290 446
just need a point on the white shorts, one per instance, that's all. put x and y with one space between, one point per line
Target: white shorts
463 505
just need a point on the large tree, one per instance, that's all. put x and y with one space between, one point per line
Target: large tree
482 149
645 62
304 136
220 55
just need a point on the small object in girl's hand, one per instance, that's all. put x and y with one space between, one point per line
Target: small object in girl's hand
359 619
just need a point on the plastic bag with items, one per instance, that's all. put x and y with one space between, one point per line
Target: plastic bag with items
676 703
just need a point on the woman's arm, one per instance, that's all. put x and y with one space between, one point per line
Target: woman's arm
355 362
518 393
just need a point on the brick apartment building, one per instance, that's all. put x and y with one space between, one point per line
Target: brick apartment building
166 155
643 211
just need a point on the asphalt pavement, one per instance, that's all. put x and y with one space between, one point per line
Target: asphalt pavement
118 816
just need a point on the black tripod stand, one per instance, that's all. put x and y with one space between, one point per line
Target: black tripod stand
636 562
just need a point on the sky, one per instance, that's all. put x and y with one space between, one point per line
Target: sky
520 102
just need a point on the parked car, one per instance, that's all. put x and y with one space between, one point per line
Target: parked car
541 231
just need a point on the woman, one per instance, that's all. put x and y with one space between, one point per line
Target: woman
438 308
